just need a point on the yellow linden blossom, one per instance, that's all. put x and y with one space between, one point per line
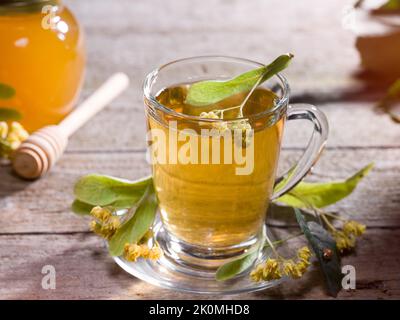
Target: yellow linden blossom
155 253
296 270
134 251
11 137
3 130
246 129
346 238
354 228
274 269
209 115
292 270
344 242
304 254
105 223
221 126
269 270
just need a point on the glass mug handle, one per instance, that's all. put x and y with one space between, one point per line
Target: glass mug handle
314 148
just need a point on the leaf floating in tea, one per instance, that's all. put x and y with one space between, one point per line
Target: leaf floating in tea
6 92
208 92
322 194
136 227
322 243
100 190
7 114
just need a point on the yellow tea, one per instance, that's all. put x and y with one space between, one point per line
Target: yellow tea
208 204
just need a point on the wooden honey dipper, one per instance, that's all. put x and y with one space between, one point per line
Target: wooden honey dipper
38 154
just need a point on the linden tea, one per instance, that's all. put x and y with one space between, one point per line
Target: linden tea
208 204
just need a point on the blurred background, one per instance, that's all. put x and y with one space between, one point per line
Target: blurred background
344 52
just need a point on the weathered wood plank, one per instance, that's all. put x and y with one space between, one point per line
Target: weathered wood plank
43 205
147 34
85 271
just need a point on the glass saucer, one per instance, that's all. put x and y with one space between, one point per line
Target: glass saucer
167 274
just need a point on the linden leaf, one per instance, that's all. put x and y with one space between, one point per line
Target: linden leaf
135 227
322 194
208 92
320 241
81 208
7 114
100 190
388 102
231 269
6 92
391 5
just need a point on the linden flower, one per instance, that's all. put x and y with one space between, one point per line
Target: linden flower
274 269
304 254
344 242
209 115
296 270
3 130
11 137
105 223
134 251
155 253
291 269
267 271
221 126
354 228
245 128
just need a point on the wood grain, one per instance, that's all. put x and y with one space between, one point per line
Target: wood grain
85 271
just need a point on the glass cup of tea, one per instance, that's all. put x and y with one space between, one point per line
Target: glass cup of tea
214 178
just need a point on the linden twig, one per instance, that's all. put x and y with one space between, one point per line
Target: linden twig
241 106
272 247
280 241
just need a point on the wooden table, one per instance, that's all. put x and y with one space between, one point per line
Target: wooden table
37 227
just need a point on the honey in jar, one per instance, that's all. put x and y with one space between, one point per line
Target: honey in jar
42 58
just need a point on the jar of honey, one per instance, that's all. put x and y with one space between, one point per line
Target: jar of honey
42 57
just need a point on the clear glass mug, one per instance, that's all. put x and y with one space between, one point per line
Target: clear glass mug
211 211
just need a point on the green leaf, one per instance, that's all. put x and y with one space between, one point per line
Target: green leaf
81 208
322 194
389 101
231 269
6 92
208 92
391 5
135 228
7 114
105 190
320 240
